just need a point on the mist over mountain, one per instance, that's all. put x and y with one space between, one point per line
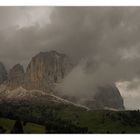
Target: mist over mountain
70 69
45 76
102 41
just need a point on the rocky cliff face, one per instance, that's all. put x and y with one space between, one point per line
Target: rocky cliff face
15 76
107 97
3 73
46 69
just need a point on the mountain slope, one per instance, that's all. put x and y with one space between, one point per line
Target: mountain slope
36 96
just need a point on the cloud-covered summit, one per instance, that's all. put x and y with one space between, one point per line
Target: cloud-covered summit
103 41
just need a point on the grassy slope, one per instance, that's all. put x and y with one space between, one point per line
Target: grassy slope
103 121
34 128
28 128
96 121
7 124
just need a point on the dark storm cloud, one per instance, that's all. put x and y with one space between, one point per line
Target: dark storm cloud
106 38
103 41
19 33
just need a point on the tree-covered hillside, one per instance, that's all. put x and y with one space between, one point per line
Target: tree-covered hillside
50 118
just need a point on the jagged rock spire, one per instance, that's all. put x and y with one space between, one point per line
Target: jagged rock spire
16 76
3 73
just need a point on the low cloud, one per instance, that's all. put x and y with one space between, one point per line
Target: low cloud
103 41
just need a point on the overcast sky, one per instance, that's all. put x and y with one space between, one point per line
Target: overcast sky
104 41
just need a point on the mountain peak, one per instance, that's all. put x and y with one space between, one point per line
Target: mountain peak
47 68
50 53
16 76
18 67
3 73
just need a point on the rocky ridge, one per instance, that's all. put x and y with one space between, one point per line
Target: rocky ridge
44 71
